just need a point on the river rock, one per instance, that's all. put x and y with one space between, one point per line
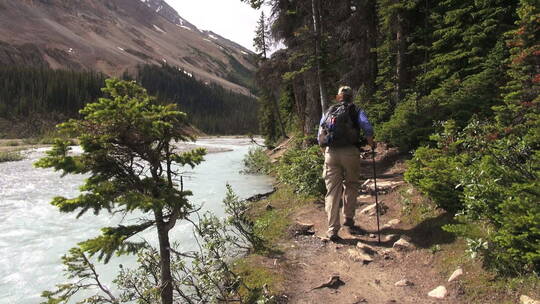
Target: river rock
402 244
455 275
403 283
527 300
438 293
359 256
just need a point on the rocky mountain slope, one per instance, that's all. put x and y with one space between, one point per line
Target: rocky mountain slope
114 36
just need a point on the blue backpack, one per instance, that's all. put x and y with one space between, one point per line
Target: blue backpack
340 127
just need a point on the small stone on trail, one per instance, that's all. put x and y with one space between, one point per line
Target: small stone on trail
527 300
371 209
377 281
333 283
299 228
391 238
402 244
364 197
403 283
438 293
366 248
359 256
455 275
358 300
391 223
372 235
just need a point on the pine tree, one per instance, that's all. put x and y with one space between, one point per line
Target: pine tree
262 37
129 153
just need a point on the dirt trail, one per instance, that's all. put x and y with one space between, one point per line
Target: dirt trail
311 261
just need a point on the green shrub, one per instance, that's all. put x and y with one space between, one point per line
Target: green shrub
436 175
257 161
410 125
302 169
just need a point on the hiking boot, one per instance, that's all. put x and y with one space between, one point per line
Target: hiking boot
355 230
349 222
334 238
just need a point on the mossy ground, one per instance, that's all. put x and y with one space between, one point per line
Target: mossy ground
271 224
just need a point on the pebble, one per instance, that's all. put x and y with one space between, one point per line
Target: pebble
438 293
457 273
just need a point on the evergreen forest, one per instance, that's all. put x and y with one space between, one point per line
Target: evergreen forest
454 84
34 99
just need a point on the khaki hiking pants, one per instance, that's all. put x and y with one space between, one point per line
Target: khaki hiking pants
342 177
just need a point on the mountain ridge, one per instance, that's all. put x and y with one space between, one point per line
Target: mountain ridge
114 36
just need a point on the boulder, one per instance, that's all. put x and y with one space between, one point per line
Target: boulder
438 293
455 275
527 300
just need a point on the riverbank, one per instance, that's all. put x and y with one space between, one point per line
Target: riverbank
415 256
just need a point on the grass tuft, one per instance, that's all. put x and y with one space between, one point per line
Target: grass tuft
10 156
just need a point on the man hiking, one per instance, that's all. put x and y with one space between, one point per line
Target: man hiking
339 135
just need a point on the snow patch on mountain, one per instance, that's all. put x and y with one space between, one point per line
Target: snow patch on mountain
158 29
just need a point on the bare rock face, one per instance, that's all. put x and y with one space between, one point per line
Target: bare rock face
403 245
455 275
438 293
403 283
527 300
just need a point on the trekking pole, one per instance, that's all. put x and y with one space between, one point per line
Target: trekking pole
376 193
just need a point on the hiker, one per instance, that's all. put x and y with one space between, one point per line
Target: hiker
339 136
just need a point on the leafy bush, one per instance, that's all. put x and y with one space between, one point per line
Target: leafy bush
302 169
257 161
491 174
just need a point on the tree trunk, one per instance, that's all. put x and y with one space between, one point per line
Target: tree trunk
400 59
275 98
313 110
317 31
165 260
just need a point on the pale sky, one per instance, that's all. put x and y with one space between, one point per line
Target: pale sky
231 19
